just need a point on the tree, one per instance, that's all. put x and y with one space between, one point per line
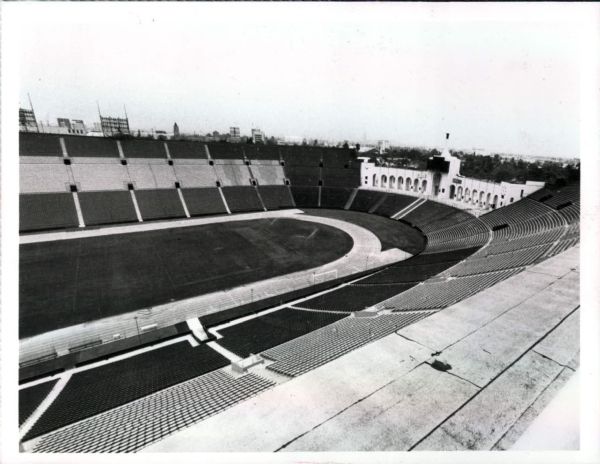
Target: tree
346 145
358 147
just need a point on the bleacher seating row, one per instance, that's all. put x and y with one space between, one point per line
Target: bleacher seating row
30 398
90 392
328 343
138 424
264 332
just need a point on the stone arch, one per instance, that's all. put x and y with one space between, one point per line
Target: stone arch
383 181
452 191
481 197
408 183
495 201
467 195
459 193
487 199
424 185
416 185
474 197
375 183
392 182
400 182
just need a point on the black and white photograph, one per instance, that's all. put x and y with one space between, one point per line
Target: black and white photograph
300 232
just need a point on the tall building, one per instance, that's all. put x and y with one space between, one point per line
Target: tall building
175 130
258 136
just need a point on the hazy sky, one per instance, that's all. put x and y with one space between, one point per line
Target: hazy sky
407 74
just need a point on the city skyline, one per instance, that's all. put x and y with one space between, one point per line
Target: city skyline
404 74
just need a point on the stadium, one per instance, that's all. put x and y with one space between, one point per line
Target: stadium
211 296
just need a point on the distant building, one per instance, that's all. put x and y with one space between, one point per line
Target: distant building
258 136
114 126
175 130
234 134
76 126
27 121
383 145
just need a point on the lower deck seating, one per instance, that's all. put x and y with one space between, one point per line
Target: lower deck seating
344 177
303 175
100 208
328 343
264 332
365 200
334 197
276 196
136 425
393 204
203 201
159 204
242 199
99 389
46 211
436 295
407 273
351 298
305 197
431 216
30 398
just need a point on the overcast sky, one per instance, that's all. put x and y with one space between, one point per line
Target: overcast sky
407 74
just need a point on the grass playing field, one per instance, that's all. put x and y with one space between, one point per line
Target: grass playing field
68 282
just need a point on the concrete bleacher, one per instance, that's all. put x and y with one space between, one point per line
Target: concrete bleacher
276 196
366 199
139 148
194 175
182 149
91 147
242 199
159 204
305 197
335 197
203 201
155 416
45 211
103 176
30 398
92 391
301 156
303 175
149 175
393 204
341 177
232 174
100 208
262 152
266 174
229 151
46 177
34 144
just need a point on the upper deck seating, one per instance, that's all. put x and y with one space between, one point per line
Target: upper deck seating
91 147
341 177
91 177
34 144
224 150
194 175
182 149
139 148
268 174
233 174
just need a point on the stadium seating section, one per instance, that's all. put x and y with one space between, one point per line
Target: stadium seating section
30 398
159 204
143 148
33 144
94 177
264 332
365 200
233 174
333 197
152 175
93 391
91 147
276 196
184 149
354 297
306 197
268 174
43 177
303 175
393 204
106 208
155 416
341 177
203 201
225 151
45 211
242 199
194 175
262 152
